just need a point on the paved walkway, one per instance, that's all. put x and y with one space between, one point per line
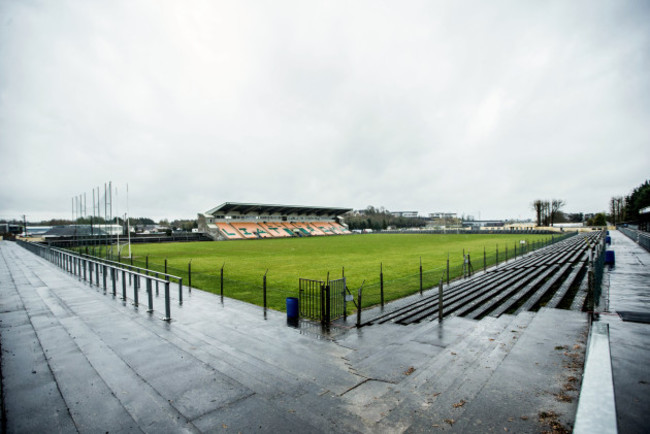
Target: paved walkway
627 289
77 359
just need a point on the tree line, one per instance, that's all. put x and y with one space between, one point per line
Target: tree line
135 222
626 208
548 212
380 219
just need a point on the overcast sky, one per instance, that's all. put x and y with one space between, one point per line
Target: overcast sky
472 107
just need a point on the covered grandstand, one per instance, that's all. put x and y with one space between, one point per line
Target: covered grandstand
238 221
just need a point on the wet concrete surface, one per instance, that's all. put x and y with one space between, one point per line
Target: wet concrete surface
627 288
77 359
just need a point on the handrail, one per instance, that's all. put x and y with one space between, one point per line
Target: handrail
84 267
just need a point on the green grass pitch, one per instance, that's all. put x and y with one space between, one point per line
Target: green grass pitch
358 256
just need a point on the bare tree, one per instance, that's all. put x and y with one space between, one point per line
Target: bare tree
538 206
546 212
617 210
556 206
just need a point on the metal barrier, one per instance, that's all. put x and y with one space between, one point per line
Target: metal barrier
324 301
160 275
641 238
596 270
84 267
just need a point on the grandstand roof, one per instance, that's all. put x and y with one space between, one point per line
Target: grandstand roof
260 208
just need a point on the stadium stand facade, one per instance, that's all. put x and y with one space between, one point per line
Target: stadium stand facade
239 221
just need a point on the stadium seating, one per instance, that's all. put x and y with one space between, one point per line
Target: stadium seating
303 228
228 231
324 227
288 228
340 228
314 230
252 230
275 229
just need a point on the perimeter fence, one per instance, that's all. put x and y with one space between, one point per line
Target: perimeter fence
386 287
640 237
123 280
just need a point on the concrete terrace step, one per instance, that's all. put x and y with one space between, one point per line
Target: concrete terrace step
522 292
534 299
566 285
547 368
388 361
461 299
478 307
444 398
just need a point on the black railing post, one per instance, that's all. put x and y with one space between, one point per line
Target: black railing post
359 293
345 300
224 264
322 303
189 276
113 281
166 266
328 304
180 290
381 283
124 284
135 289
149 296
264 288
420 275
146 265
104 276
440 305
168 315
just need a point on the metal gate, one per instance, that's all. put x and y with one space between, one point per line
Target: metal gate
321 301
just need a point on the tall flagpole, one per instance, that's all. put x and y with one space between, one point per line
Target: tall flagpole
128 218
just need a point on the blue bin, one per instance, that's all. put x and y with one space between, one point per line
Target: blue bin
609 257
608 240
293 308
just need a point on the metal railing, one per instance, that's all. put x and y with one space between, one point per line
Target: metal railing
641 238
91 270
161 276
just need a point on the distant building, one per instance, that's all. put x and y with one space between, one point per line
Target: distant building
442 215
483 224
74 231
405 214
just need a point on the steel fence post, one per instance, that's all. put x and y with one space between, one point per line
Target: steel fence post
136 280
381 283
123 284
149 295
440 302
168 315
